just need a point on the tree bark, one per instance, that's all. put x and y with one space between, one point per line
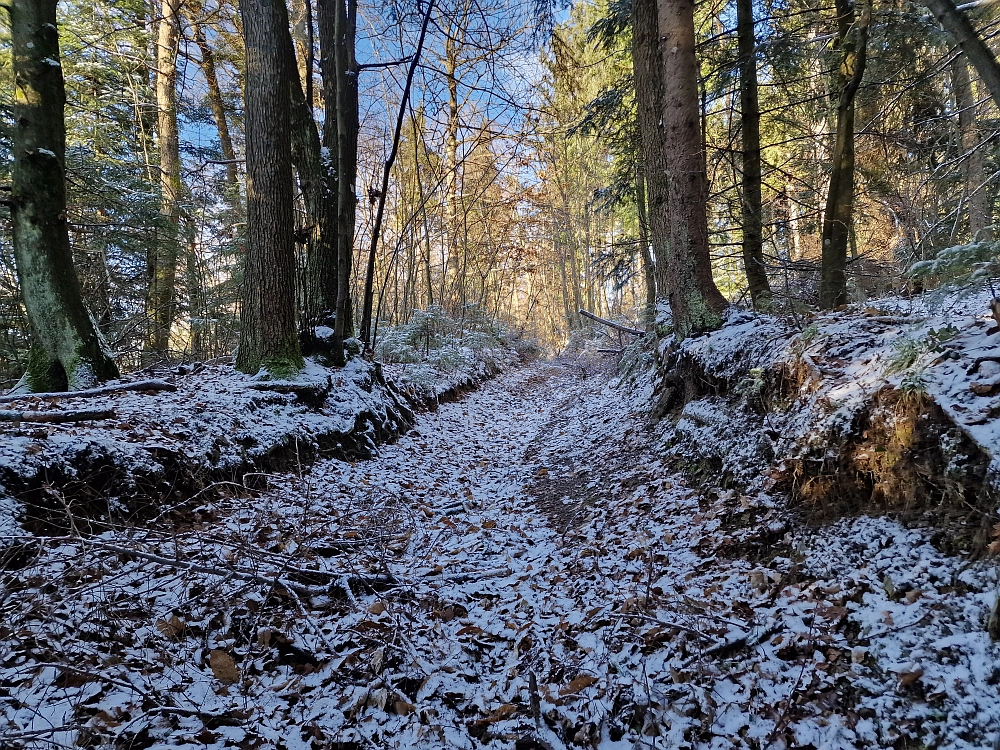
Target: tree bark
340 37
695 302
315 183
268 338
753 233
648 268
161 302
976 191
68 352
646 60
838 215
975 49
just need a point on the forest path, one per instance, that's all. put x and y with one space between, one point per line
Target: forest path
523 570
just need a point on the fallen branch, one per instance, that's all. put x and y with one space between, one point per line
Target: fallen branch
55 417
141 385
275 580
736 644
612 324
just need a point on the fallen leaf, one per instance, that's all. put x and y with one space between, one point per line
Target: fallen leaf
171 628
577 684
405 709
223 667
908 678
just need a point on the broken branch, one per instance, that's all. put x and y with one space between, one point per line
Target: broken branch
55 417
612 324
141 385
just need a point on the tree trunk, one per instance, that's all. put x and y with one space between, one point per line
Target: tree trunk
695 301
973 169
962 30
68 352
649 104
314 182
161 302
207 64
268 339
753 233
345 28
648 268
837 218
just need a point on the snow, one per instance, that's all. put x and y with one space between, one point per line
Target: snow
537 528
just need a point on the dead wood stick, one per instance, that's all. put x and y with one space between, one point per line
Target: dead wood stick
736 644
979 361
248 576
612 324
140 385
55 417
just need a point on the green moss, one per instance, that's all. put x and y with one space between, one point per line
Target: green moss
45 375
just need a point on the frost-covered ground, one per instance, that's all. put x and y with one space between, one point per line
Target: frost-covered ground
521 570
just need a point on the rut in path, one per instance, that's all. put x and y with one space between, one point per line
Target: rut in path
523 569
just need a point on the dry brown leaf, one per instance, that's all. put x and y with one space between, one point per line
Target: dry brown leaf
223 667
577 684
171 628
908 678
507 709
405 709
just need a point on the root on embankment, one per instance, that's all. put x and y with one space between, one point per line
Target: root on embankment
859 412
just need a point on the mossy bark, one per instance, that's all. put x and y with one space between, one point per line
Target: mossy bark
68 352
268 338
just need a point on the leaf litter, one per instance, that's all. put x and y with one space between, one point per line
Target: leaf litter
525 568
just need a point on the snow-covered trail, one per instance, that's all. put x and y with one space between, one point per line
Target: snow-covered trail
524 569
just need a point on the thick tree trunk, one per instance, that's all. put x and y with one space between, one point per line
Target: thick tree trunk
753 232
68 352
962 30
269 338
695 301
837 218
215 101
161 302
977 194
646 61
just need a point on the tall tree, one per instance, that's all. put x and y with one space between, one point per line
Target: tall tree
753 231
68 352
340 36
852 40
974 168
163 266
646 61
695 301
961 29
268 338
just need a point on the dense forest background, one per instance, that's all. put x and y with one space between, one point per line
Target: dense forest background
517 192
